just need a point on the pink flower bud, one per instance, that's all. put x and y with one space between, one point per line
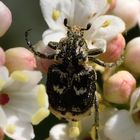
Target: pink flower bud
43 64
5 18
132 56
129 11
119 87
112 5
19 59
114 49
2 57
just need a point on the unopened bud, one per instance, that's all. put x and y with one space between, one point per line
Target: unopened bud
132 56
19 59
114 49
119 87
5 18
129 11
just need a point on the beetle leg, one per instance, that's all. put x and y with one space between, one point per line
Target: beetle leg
95 127
95 51
39 54
53 45
96 117
99 62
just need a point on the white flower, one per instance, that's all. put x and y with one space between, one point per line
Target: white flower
61 131
131 18
122 125
80 13
22 102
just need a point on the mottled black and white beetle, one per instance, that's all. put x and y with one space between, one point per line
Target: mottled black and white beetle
71 82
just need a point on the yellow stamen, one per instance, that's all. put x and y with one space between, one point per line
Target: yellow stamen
39 116
10 128
106 23
2 83
109 1
75 124
74 130
19 76
41 96
55 14
93 132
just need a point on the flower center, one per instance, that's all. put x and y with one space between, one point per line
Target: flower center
55 14
109 1
106 23
4 99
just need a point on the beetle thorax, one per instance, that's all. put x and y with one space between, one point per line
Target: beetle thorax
74 50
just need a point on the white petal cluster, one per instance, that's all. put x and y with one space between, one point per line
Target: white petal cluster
22 102
59 132
80 13
122 125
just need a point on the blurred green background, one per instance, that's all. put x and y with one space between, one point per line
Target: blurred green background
27 14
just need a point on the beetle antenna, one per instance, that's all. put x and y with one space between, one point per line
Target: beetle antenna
87 28
66 23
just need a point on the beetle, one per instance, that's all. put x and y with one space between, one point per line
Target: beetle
71 82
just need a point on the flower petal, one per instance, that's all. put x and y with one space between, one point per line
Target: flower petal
59 132
55 11
120 126
18 129
50 35
3 77
87 123
40 115
4 73
99 44
34 76
134 98
22 80
3 117
90 9
26 103
107 27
